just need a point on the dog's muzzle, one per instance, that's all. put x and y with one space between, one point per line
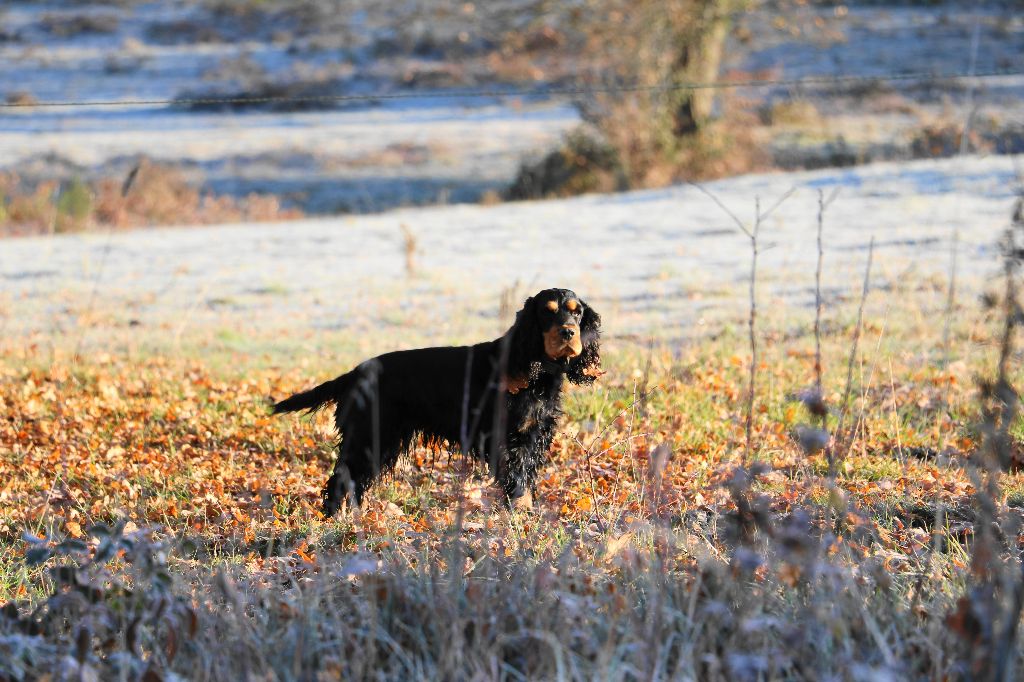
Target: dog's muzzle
563 342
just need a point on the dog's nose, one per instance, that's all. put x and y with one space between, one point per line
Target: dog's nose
568 333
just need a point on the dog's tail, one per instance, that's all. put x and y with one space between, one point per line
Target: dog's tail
316 397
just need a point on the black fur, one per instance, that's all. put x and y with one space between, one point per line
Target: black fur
497 401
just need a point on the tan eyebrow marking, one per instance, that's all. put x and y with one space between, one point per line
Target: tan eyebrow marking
553 306
572 305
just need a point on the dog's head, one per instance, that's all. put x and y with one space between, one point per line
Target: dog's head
556 328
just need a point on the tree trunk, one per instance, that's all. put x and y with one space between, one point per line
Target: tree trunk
699 59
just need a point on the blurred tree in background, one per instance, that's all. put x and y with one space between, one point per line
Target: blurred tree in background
659 131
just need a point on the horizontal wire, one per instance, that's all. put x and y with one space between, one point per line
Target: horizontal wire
534 92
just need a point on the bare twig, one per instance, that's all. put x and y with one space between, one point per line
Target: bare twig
739 223
823 203
126 187
815 402
853 350
751 233
751 322
950 300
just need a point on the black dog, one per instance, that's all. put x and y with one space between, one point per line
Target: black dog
497 401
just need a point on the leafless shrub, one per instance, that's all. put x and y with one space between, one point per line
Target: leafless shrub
751 234
987 616
943 139
582 165
161 196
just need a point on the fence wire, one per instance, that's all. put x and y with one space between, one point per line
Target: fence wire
542 92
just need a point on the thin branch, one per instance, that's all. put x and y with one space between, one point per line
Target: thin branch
950 300
818 400
788 194
856 340
753 332
759 217
739 223
823 203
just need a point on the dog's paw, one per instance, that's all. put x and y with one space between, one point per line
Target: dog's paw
523 503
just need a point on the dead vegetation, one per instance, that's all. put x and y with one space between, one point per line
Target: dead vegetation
154 194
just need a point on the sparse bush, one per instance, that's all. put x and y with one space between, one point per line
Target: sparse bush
27 208
159 195
655 134
583 164
943 139
111 610
74 206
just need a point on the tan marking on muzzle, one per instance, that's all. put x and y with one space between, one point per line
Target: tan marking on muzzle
557 348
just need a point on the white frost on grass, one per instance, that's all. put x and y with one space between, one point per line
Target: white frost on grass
654 262
104 135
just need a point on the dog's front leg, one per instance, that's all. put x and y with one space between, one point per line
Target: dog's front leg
516 476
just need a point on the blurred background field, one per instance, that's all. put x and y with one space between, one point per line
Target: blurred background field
217 162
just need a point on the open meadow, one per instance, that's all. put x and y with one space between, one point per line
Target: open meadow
801 225
157 522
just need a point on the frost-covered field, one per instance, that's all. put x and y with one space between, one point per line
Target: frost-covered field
657 263
664 263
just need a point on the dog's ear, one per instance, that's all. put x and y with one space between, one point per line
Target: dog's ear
525 346
586 367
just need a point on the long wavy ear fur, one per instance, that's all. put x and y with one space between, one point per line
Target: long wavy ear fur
524 343
583 369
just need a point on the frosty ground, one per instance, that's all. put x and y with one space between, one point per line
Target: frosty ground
660 264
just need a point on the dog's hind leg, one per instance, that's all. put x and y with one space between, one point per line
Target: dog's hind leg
352 475
361 460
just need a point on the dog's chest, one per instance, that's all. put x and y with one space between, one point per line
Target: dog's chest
533 409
